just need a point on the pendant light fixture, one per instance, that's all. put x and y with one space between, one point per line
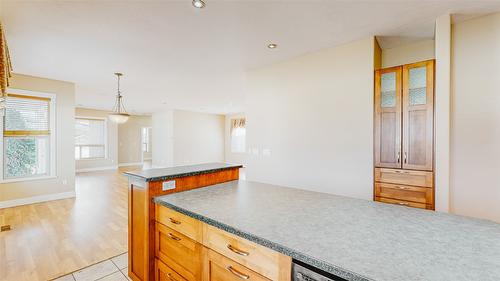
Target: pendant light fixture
119 114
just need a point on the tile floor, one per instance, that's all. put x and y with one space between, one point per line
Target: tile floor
113 269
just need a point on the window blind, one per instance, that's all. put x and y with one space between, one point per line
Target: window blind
89 132
26 115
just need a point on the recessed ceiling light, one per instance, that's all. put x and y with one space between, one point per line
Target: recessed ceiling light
272 46
198 4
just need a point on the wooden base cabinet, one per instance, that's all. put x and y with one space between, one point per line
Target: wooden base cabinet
195 251
404 135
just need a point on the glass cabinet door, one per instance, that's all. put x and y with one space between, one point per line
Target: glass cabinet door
418 94
388 117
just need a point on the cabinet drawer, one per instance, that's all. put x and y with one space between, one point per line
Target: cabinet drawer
178 252
264 261
181 223
406 177
165 273
404 192
222 268
403 203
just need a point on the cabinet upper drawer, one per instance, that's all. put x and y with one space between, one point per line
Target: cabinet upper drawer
264 261
186 225
178 252
406 177
404 192
222 268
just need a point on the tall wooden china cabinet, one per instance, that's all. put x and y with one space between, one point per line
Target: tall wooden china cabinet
404 135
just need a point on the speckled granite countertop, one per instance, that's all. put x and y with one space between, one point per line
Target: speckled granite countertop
354 239
162 174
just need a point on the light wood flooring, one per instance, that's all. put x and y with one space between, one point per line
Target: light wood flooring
55 238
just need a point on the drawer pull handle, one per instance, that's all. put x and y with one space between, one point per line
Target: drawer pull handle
237 273
174 221
403 204
237 251
173 237
170 277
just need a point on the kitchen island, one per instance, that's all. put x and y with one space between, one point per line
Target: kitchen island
351 238
143 186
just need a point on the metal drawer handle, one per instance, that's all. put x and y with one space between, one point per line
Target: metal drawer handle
173 237
169 276
237 251
403 204
237 273
174 221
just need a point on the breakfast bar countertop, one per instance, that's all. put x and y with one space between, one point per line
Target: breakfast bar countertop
161 174
352 238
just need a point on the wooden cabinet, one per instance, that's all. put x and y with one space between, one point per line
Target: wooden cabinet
388 117
188 250
404 133
418 115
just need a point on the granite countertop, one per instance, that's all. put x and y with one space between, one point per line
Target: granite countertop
352 238
161 174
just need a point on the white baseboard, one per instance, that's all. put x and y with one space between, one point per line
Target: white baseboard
97 169
36 199
130 164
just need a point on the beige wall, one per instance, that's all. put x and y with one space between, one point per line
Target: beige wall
230 157
409 53
475 119
64 183
198 138
111 160
310 121
442 113
129 139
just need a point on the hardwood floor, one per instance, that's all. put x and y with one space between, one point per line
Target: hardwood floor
55 238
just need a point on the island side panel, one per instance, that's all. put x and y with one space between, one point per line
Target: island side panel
137 229
141 253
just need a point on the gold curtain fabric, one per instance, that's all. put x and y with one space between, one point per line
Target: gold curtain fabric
5 64
237 123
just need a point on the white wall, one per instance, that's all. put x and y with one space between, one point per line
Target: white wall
408 53
198 138
111 159
231 157
315 115
163 139
475 119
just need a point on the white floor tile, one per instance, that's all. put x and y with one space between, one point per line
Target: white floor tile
68 277
117 276
121 261
125 272
96 271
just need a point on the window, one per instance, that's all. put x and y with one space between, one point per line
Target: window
28 137
238 135
90 138
146 139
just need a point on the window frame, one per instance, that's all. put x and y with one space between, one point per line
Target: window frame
231 129
52 173
105 120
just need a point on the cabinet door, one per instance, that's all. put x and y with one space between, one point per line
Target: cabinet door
388 117
220 268
418 115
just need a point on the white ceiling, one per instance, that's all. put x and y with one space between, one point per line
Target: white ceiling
176 56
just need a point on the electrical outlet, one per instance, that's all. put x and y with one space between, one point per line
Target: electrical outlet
168 185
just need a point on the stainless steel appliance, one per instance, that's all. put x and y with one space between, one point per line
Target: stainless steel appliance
305 272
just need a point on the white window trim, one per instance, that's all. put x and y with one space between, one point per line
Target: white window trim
52 137
106 145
